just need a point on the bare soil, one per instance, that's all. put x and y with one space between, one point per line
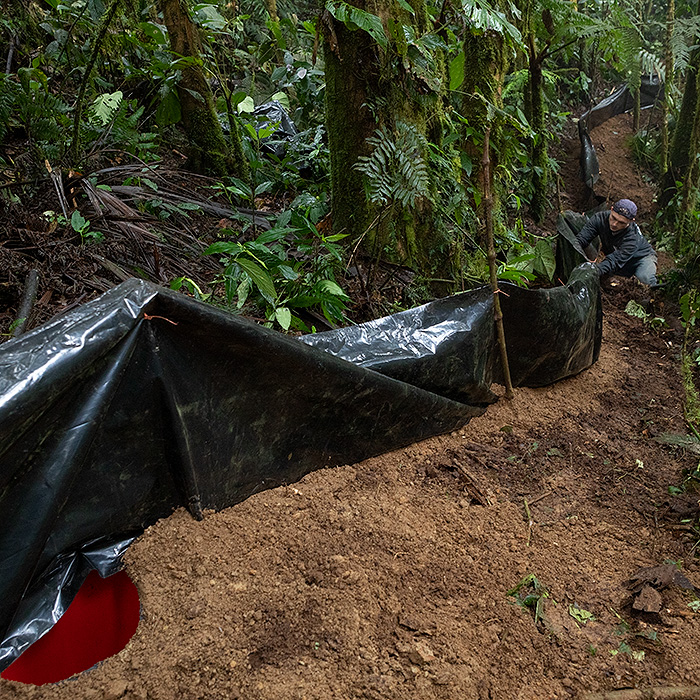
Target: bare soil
393 578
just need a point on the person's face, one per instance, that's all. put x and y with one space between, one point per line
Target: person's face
618 222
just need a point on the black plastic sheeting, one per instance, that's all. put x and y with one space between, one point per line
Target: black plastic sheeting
620 101
285 130
144 400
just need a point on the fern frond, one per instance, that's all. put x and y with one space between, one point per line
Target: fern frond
686 32
395 170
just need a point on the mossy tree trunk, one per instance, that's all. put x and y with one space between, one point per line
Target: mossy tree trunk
687 228
371 88
668 82
486 61
209 152
540 157
679 153
535 110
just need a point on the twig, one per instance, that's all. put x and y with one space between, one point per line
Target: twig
31 285
10 54
530 521
58 185
689 692
540 497
148 317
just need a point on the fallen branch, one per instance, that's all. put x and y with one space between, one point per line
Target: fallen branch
31 285
688 692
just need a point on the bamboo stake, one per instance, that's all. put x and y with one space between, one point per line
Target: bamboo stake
488 219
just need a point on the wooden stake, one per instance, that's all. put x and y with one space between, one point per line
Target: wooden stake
488 219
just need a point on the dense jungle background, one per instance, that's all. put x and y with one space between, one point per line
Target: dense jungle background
311 165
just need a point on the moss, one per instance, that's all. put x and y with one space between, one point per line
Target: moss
366 88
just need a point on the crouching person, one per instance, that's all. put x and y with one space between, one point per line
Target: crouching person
627 252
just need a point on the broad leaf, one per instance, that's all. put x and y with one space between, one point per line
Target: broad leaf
225 247
354 18
544 264
283 316
260 279
457 71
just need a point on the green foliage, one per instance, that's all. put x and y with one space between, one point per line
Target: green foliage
528 258
9 96
286 269
636 310
686 30
82 226
396 170
116 123
484 17
530 594
354 18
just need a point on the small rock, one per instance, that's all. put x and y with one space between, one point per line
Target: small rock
115 690
421 654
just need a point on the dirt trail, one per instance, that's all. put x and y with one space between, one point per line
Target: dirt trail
390 578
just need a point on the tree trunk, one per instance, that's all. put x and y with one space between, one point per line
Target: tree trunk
485 62
540 158
679 154
367 89
209 153
687 228
668 82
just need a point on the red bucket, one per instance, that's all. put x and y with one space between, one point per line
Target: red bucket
98 623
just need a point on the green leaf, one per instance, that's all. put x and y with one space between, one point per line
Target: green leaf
242 292
225 247
155 32
246 105
260 279
288 273
283 316
168 111
208 16
580 615
104 106
282 98
78 222
354 18
330 287
457 71
407 7
636 310
263 187
545 263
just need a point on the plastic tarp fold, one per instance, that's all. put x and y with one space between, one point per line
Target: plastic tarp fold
144 400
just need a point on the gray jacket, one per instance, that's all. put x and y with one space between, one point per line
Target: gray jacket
619 247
